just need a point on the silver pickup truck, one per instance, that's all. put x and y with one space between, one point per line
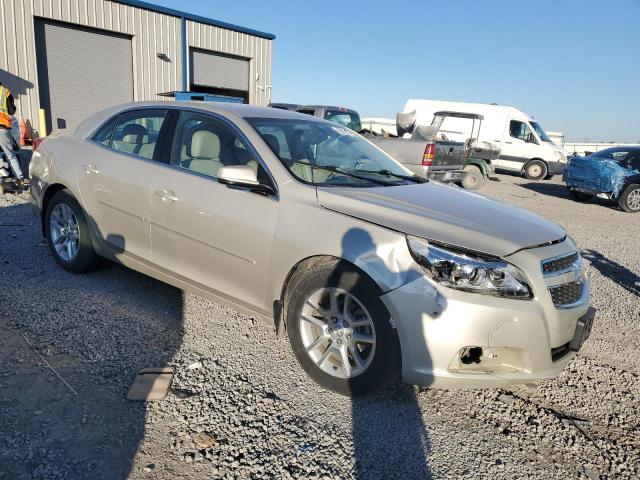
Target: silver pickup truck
429 153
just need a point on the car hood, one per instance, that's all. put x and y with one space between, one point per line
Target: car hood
445 214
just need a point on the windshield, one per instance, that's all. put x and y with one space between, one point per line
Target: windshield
540 131
348 119
323 154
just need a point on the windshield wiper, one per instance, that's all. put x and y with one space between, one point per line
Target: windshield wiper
389 173
348 173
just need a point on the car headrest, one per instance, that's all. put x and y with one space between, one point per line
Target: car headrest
272 142
135 138
205 144
135 130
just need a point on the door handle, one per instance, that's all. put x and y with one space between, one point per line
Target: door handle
167 195
91 168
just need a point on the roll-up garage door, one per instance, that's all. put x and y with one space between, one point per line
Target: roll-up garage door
219 73
81 71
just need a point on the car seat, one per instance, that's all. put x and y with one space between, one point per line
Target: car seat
205 153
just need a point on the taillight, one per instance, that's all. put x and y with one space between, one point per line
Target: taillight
36 143
429 152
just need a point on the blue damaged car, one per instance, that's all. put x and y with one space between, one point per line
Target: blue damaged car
613 173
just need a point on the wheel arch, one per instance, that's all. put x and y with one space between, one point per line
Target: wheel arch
50 191
307 264
481 164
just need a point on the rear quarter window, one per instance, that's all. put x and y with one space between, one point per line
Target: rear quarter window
103 135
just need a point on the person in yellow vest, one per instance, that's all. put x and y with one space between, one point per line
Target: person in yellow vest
8 108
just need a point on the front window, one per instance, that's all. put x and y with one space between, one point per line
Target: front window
521 131
203 144
540 131
345 118
323 154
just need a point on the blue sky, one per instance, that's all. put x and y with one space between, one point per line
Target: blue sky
573 64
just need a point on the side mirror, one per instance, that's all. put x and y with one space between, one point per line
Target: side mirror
242 176
239 175
531 138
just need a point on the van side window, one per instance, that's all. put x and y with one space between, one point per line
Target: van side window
137 132
519 130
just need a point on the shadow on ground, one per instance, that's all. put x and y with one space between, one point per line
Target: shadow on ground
619 274
97 331
389 436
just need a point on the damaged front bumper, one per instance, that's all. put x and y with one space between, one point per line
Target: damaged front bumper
453 339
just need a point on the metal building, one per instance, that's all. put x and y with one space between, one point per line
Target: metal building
73 58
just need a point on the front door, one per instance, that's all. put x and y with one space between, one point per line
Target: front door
518 147
115 179
204 231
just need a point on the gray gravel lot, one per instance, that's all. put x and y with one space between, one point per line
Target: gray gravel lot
263 418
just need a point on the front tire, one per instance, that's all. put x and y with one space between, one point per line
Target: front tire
474 179
340 330
67 234
535 170
629 200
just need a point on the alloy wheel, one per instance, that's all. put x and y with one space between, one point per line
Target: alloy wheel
65 232
633 199
337 332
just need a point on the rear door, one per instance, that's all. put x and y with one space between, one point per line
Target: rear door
206 232
115 175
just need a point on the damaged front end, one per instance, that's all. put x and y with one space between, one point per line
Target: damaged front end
597 176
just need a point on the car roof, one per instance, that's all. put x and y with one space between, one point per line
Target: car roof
226 109
328 107
223 108
619 148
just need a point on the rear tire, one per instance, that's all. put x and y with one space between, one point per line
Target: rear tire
580 196
317 342
67 234
629 200
535 170
474 179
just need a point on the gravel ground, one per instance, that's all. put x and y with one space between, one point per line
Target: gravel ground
242 408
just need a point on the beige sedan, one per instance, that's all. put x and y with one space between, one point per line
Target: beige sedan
370 271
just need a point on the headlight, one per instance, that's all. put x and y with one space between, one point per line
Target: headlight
561 157
470 273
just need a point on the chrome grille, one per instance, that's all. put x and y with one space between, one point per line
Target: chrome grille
561 264
566 294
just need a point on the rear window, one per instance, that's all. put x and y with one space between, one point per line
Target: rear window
345 118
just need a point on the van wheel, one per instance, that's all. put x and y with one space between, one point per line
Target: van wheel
580 196
629 200
340 331
474 179
535 170
67 234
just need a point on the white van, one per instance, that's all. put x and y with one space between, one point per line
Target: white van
524 145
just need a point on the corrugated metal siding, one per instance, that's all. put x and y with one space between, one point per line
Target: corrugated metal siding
17 57
152 32
258 50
